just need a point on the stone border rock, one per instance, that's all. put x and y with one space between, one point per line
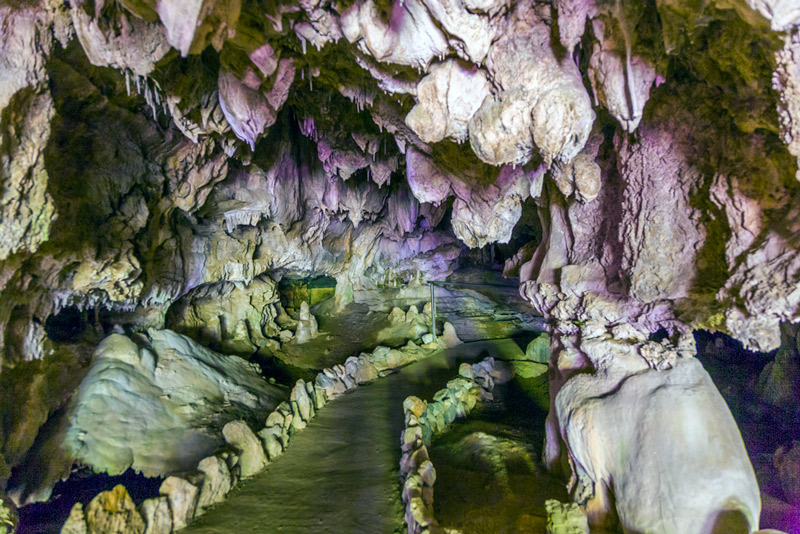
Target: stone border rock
423 420
183 499
475 383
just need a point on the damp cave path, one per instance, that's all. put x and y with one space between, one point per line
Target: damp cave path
341 473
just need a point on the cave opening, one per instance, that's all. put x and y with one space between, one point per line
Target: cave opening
71 324
67 325
312 290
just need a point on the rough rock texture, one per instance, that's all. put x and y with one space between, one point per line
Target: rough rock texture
787 80
216 481
27 208
565 518
157 515
233 317
656 143
158 408
25 43
160 396
624 96
650 412
447 98
182 496
543 103
252 458
113 512
76 522
124 42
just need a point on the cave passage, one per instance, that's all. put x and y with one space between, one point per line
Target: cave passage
218 215
340 474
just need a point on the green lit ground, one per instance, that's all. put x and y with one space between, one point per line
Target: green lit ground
341 473
489 476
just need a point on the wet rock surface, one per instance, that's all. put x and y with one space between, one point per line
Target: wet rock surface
166 164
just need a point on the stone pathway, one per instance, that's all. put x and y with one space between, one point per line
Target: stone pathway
340 474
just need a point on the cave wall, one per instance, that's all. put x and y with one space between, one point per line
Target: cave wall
151 150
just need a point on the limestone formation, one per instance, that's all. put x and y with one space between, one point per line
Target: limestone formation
113 512
76 522
182 496
235 318
148 408
27 208
600 409
449 335
157 515
216 481
565 518
306 325
252 458
169 164
448 97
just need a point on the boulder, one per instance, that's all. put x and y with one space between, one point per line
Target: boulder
414 405
312 395
272 439
76 522
182 496
216 481
465 371
411 437
427 473
565 518
157 515
367 372
528 369
421 512
325 382
113 512
320 396
140 407
397 316
252 458
351 366
622 427
538 350
298 423
449 336
275 418
299 396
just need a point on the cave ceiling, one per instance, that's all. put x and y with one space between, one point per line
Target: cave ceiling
149 147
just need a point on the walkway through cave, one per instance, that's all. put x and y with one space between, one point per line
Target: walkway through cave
341 473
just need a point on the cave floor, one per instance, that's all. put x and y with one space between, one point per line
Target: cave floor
341 473
489 479
342 334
